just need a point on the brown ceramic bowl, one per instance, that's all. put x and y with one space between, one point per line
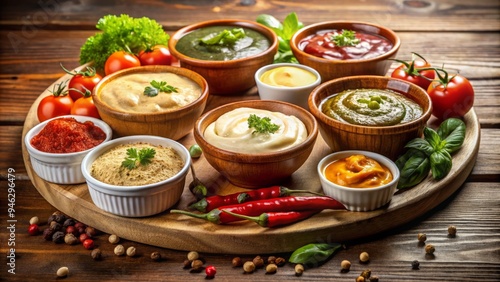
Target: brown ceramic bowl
232 76
173 124
386 140
260 169
330 68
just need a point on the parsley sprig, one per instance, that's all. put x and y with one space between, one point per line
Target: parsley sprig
262 125
346 38
141 157
157 87
224 38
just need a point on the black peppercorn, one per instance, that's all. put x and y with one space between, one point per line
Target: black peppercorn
415 264
60 218
55 226
68 222
58 237
51 218
47 234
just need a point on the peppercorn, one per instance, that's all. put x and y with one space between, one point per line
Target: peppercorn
271 259
113 239
271 268
70 239
91 231
210 271
69 222
258 261
249 267
58 237
47 234
187 263
237 262
55 226
366 273
83 237
33 229
79 225
345 265
360 279
131 251
62 272
452 231
34 220
429 249
156 256
60 218
191 256
364 257
51 218
196 265
374 278
96 254
88 244
421 237
119 250
299 269
280 261
415 264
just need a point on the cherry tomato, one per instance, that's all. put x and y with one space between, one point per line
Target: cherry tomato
120 60
57 104
451 97
82 81
157 55
85 106
417 71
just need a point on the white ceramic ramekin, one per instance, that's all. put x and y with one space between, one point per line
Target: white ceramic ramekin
62 168
359 199
137 201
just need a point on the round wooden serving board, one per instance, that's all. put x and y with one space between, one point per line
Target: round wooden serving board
182 232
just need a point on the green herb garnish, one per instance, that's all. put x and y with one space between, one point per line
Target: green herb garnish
262 125
346 38
224 38
284 31
121 33
157 87
143 157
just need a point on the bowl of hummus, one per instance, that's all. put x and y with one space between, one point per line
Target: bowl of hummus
136 176
151 100
256 143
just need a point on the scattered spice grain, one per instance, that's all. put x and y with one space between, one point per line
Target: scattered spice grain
156 256
58 237
191 256
415 264
62 272
421 237
345 265
429 249
34 220
196 265
70 239
452 231
249 267
360 279
280 261
119 250
236 262
131 251
366 273
299 269
96 254
271 268
113 239
258 261
374 278
364 257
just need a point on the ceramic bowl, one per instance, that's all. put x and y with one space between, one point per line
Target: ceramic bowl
333 68
285 90
60 168
228 77
136 201
260 169
173 124
359 199
386 140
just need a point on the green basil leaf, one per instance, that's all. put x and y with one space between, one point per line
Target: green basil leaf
269 21
452 132
421 145
415 169
440 164
290 25
314 254
433 138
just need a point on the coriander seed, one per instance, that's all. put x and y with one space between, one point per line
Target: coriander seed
249 267
429 249
452 231
271 268
96 254
421 237
113 239
345 265
299 269
62 272
364 257
191 256
119 250
34 220
131 251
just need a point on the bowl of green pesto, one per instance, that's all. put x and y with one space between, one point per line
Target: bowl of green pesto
227 53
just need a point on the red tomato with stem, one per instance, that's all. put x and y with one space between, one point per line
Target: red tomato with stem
57 104
120 60
451 97
156 55
85 106
82 81
417 71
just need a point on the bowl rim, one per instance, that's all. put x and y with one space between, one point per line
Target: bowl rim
109 188
147 69
328 24
270 34
391 165
261 157
265 68
56 156
374 130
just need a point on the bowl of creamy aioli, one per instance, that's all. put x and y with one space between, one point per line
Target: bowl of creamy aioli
287 82
151 100
256 143
136 176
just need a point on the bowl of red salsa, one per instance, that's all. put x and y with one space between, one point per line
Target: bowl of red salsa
345 48
57 146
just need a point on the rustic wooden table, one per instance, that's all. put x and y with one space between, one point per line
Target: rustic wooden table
38 35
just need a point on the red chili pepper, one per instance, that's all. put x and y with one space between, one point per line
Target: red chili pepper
255 208
209 203
275 219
